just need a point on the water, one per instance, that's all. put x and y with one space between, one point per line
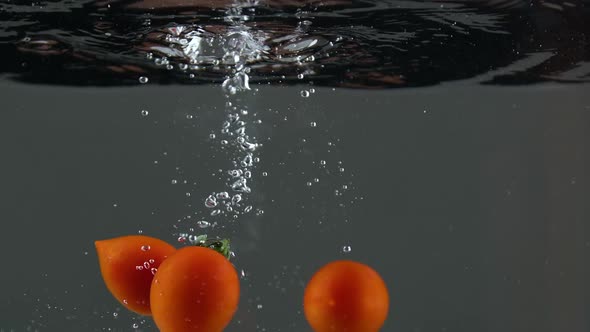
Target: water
443 141
370 44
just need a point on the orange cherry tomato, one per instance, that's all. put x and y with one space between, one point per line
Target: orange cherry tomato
346 296
128 265
196 289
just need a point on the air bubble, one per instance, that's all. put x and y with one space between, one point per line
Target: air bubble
143 80
313 124
247 161
203 224
211 202
153 270
236 199
346 249
152 261
222 195
235 173
145 248
304 93
144 113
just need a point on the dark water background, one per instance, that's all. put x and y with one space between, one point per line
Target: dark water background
448 140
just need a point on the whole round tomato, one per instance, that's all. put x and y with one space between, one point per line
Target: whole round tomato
346 296
196 289
128 265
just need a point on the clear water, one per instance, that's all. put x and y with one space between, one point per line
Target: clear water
443 143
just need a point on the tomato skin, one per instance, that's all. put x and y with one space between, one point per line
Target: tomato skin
346 296
197 290
120 260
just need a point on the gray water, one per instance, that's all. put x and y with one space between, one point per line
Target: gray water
470 201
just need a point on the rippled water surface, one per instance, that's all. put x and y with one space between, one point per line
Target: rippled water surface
337 43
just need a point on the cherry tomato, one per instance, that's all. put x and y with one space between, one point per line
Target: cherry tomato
128 265
346 296
196 289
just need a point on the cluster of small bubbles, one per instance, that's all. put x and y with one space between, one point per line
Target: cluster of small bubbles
241 185
143 80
